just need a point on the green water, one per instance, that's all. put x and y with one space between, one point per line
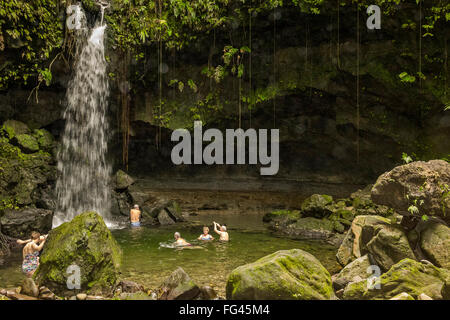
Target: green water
147 262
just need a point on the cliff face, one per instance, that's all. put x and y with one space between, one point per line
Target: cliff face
344 112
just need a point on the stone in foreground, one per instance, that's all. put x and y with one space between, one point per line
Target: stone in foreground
87 243
435 243
356 268
284 275
409 276
178 286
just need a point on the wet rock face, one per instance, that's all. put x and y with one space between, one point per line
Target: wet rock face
286 275
426 182
87 243
178 286
20 223
409 276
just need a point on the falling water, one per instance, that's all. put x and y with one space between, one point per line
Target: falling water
84 172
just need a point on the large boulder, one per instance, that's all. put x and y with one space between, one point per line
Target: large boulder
354 270
355 238
435 243
388 246
20 223
178 286
87 243
26 142
426 181
44 139
122 180
408 276
310 228
386 243
14 127
291 224
317 205
286 275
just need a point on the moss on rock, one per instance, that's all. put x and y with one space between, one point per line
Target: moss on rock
86 242
27 143
286 274
408 276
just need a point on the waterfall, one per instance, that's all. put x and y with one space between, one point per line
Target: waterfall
84 173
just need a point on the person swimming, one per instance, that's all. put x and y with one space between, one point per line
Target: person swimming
135 216
222 232
179 241
205 236
31 252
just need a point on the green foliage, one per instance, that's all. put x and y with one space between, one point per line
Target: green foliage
406 78
406 159
32 30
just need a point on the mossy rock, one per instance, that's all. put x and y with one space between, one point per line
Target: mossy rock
14 127
284 275
178 286
408 276
317 205
123 180
435 243
27 143
388 246
44 139
287 215
87 243
355 269
360 233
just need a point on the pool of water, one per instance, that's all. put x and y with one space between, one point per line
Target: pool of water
148 258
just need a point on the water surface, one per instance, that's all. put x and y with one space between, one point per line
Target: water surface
147 262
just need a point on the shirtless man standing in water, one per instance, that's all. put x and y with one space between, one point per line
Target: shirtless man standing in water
135 216
31 252
222 232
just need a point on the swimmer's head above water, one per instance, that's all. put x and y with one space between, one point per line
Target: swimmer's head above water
177 235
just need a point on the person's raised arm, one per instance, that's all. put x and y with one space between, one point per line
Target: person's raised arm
23 241
40 246
215 228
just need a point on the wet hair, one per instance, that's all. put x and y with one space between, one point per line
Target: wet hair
177 235
35 235
136 206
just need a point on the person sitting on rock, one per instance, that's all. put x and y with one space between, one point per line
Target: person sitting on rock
31 252
135 216
222 232
179 241
205 236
